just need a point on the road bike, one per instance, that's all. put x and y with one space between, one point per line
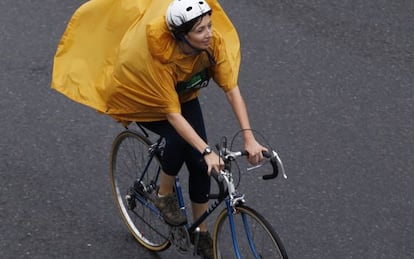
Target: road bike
239 230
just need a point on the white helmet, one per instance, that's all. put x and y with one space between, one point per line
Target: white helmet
180 12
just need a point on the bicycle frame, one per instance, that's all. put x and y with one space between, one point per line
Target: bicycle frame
155 150
231 200
227 193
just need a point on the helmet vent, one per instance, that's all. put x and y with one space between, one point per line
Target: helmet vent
183 11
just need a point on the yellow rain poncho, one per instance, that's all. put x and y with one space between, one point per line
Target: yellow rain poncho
119 58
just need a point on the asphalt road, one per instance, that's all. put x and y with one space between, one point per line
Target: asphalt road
330 83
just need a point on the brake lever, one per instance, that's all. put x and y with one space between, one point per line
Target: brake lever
279 164
256 166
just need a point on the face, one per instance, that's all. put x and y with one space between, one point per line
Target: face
200 35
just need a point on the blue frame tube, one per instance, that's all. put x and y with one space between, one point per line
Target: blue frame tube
232 229
179 194
148 205
249 236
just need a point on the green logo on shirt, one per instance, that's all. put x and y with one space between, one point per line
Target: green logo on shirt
198 81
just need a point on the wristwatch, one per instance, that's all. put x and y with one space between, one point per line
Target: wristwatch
207 151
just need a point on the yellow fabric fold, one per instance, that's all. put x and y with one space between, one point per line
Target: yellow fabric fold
119 58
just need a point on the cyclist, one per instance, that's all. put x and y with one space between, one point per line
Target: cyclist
195 53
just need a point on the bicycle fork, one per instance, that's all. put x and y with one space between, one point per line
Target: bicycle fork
231 211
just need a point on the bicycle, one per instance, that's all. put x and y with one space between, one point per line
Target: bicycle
238 230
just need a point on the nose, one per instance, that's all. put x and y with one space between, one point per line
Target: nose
209 32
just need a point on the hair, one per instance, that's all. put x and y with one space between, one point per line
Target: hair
188 26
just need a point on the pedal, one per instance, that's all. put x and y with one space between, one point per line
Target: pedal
180 238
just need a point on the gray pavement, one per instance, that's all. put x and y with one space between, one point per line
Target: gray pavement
330 82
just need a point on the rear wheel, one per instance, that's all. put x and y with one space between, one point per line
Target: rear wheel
134 193
254 236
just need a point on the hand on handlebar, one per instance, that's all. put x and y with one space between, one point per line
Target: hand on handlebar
254 149
213 161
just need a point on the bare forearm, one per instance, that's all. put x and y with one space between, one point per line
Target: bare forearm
253 148
239 107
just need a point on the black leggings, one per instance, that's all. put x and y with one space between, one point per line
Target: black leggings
178 151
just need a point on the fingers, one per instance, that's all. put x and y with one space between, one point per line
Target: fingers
213 161
209 169
218 166
255 158
256 155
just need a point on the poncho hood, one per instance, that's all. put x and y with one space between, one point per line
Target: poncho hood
161 42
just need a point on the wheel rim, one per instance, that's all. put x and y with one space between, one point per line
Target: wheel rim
128 158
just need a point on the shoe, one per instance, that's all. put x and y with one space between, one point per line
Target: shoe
170 210
204 245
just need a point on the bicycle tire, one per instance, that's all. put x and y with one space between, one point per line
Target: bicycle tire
265 241
129 156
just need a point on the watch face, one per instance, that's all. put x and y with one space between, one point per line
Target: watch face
207 151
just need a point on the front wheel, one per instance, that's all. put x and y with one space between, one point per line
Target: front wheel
253 236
